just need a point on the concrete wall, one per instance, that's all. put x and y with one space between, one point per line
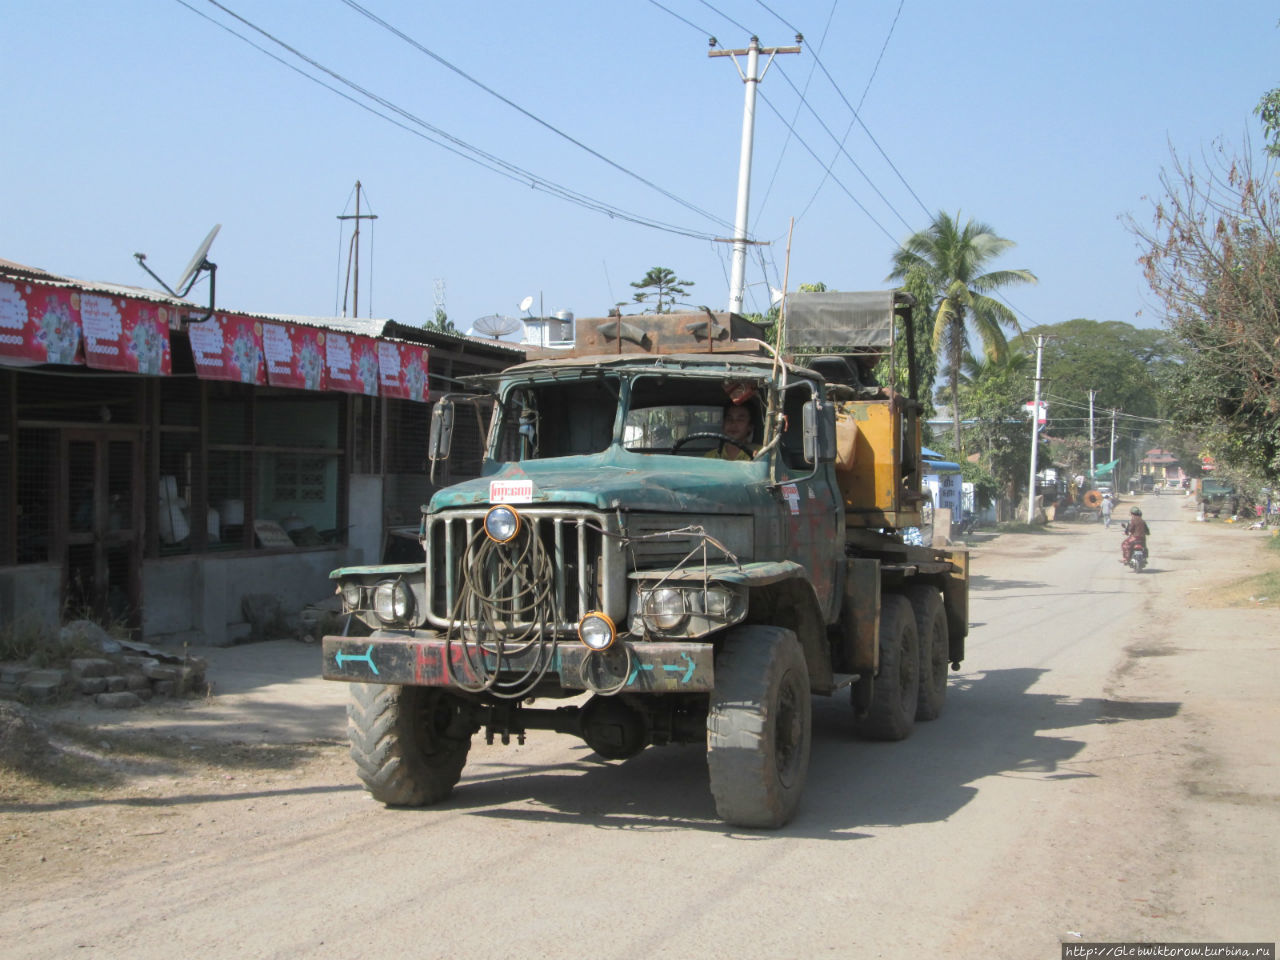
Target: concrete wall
199 598
364 514
30 593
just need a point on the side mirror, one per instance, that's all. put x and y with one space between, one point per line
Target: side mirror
440 439
819 431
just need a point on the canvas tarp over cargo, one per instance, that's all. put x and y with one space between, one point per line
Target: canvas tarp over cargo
841 321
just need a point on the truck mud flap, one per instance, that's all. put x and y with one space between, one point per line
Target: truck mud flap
657 667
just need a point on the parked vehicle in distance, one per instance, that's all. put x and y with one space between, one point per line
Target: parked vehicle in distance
1216 496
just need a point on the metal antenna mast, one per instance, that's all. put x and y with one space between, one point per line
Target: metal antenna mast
353 257
737 279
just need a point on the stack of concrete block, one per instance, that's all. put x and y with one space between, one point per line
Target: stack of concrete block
116 682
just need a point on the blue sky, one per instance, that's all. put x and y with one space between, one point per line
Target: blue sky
137 125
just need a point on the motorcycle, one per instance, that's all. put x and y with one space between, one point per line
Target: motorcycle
1138 556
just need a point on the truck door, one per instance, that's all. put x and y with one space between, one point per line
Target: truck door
812 508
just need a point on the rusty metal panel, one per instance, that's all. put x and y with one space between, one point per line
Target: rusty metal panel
664 333
860 620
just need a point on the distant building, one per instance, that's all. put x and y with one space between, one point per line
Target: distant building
1163 467
158 466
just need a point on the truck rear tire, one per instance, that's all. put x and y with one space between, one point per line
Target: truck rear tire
895 691
401 742
935 649
759 727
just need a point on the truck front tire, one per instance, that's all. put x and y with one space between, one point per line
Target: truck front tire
895 691
406 743
759 727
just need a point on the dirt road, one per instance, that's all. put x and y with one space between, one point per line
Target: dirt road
1105 770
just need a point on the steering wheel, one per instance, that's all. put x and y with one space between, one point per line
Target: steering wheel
711 435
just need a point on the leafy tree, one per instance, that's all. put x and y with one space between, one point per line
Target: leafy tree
1268 109
1123 366
950 260
442 323
1212 257
660 282
994 391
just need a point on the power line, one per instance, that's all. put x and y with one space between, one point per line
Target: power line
768 191
705 33
858 203
861 100
721 13
370 15
840 148
454 145
856 115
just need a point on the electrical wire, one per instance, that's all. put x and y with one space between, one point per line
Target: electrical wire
858 203
365 12
794 117
856 115
841 150
438 136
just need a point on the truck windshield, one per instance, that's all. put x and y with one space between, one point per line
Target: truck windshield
557 419
665 415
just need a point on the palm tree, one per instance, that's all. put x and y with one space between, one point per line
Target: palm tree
951 260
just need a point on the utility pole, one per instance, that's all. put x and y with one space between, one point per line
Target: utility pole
737 279
1092 464
353 256
1111 456
1035 435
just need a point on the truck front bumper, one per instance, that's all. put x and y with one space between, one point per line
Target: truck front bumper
419 659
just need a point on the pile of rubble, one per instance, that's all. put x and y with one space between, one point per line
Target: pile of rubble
124 675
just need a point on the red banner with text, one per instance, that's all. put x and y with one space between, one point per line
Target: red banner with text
39 324
403 369
228 347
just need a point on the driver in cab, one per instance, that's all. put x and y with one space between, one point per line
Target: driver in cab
738 429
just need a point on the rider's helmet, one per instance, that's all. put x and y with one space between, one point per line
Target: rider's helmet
1135 511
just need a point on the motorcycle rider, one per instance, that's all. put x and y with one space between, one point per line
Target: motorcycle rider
1137 531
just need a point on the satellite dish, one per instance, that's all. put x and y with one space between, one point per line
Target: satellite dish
775 296
495 325
197 261
526 303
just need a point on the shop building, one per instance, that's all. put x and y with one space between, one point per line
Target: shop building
161 461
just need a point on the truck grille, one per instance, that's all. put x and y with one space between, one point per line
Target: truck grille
585 567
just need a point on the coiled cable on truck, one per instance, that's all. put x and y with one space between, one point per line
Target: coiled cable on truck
505 607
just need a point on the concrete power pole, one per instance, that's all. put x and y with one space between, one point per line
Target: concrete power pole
1035 435
1092 464
737 278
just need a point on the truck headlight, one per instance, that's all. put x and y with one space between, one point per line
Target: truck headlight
597 631
351 594
664 609
392 601
501 523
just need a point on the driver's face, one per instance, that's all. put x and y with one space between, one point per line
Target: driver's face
737 423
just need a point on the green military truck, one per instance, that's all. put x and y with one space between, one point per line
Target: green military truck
621 553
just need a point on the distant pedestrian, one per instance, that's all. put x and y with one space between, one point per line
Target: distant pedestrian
1107 506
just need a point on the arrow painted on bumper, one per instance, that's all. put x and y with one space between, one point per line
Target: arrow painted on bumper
367 657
